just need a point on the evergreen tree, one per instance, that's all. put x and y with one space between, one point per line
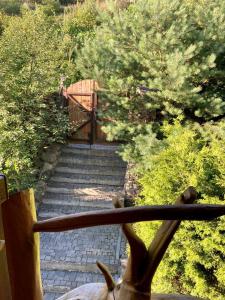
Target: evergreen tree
156 60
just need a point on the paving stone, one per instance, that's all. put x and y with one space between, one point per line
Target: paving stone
51 296
68 259
66 209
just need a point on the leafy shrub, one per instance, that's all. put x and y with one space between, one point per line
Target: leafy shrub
31 59
80 18
3 22
195 261
51 7
11 7
79 24
158 59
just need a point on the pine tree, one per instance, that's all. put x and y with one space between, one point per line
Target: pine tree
156 60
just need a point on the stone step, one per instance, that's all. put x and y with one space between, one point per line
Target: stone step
78 202
75 267
84 180
84 190
89 152
70 195
52 295
87 179
90 188
107 147
91 170
91 161
58 282
52 210
88 155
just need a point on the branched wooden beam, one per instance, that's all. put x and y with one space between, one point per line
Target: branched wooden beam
193 212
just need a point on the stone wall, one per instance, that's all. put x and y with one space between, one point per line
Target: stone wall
49 160
131 187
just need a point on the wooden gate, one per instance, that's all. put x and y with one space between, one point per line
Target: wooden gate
83 112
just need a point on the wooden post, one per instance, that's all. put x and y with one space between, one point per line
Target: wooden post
22 246
5 289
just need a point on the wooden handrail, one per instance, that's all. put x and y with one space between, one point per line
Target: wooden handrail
193 212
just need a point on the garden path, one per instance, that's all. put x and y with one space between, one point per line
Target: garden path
84 179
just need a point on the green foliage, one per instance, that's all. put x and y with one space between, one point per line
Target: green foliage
79 24
169 47
3 21
51 7
195 262
11 7
30 118
67 2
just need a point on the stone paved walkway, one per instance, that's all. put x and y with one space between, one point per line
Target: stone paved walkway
84 180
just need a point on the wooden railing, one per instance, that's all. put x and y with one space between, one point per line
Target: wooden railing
5 289
21 233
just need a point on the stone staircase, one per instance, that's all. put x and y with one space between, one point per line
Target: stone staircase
84 180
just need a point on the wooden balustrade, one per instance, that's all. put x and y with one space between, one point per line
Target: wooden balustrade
5 289
193 212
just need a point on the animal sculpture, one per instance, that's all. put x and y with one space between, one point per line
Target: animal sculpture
141 265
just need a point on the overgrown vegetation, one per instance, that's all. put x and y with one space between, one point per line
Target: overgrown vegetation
32 60
79 23
30 63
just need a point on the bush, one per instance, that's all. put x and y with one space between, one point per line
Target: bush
156 60
195 261
79 24
31 59
4 19
51 7
11 7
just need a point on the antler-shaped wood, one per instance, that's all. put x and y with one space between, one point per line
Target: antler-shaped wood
142 263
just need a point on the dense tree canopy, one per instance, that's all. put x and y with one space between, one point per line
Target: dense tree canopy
158 59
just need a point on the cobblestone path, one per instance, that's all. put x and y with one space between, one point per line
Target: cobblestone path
83 180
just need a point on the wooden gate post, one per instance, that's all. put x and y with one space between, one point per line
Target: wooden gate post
22 246
5 290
